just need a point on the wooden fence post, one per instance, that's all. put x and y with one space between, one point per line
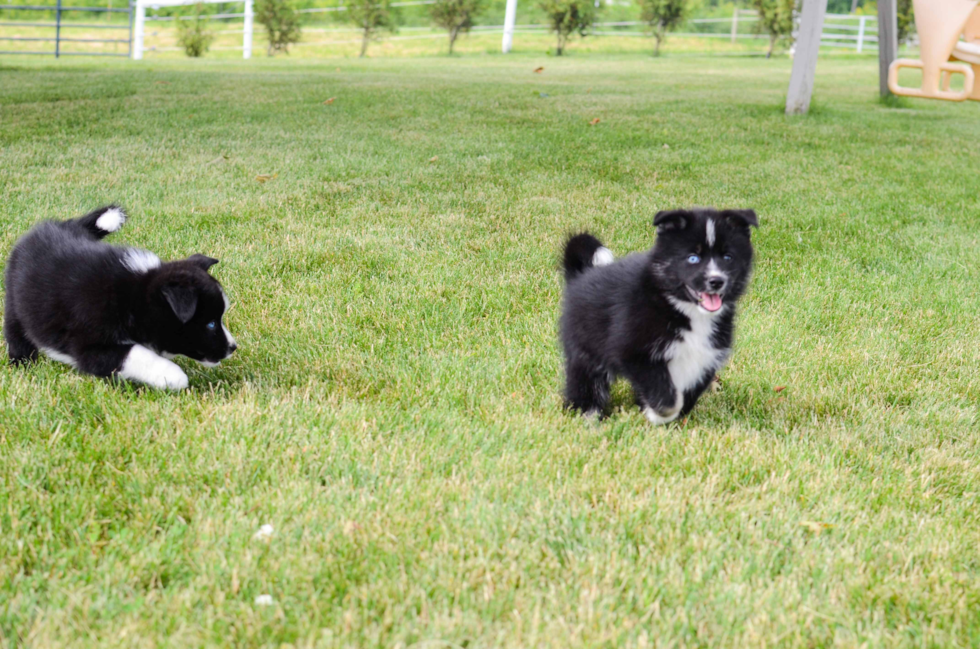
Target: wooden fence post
139 23
887 42
248 29
510 17
805 59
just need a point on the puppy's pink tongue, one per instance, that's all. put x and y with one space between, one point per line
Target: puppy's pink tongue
710 301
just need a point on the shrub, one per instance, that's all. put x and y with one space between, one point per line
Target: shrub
776 19
662 16
193 34
906 19
281 24
371 17
565 17
456 16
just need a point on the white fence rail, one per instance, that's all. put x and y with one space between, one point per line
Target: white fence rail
859 33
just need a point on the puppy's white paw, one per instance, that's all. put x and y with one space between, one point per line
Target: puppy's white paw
145 366
715 385
659 419
171 378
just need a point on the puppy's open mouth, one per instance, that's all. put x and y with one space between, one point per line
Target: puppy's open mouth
710 302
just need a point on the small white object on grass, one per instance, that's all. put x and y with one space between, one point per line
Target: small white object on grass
264 533
264 600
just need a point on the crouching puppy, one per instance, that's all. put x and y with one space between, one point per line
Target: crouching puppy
663 319
111 311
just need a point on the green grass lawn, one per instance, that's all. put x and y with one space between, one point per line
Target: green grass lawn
394 409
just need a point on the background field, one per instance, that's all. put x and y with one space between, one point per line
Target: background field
394 408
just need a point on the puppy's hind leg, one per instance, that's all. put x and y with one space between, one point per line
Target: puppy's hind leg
586 388
19 348
133 363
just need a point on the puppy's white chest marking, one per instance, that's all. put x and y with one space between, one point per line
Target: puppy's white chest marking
693 355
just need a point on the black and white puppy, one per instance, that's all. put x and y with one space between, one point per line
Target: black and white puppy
110 310
662 319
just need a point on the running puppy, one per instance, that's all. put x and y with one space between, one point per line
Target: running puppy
663 319
111 311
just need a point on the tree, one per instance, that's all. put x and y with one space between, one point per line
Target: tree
663 16
456 16
906 19
371 17
281 22
194 35
776 18
567 17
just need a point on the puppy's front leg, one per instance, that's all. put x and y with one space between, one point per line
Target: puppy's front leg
133 363
146 366
655 392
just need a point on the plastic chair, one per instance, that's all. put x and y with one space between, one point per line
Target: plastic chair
940 24
968 51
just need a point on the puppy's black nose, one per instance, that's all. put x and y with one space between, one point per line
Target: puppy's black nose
716 283
232 347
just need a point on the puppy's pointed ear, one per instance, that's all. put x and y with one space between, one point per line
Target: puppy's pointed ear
202 261
668 220
743 218
182 299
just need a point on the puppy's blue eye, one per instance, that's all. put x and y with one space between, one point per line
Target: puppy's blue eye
693 259
212 325
727 257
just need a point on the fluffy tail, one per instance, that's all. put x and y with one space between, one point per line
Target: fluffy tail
102 221
582 252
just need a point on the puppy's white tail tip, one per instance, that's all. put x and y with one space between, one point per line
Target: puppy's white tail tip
603 257
111 220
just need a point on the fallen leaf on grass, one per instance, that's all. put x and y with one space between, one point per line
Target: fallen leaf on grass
262 178
350 527
329 101
816 526
220 158
539 70
433 158
588 91
779 388
594 122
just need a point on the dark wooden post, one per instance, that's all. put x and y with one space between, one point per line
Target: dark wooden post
130 28
887 42
57 30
